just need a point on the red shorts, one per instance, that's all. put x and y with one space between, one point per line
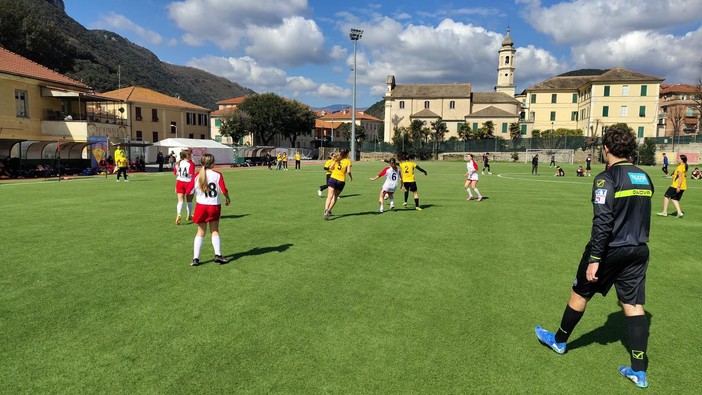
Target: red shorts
206 213
182 187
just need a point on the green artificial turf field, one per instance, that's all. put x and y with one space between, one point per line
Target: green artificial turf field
97 293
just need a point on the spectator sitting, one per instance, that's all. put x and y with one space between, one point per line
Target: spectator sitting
696 175
580 172
559 172
4 174
43 171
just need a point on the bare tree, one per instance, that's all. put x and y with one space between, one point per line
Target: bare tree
676 115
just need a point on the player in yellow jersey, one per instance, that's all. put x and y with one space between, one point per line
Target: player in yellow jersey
327 168
676 189
340 167
408 181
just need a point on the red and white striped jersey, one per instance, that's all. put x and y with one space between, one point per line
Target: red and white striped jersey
215 188
184 170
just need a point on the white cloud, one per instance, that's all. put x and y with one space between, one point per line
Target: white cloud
245 71
338 52
294 42
331 91
121 24
226 22
581 21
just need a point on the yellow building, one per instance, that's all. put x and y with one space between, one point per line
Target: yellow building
217 117
455 103
154 116
39 107
591 100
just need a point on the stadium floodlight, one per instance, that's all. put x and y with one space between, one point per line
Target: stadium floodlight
355 35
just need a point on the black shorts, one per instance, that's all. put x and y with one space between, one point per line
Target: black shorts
623 267
410 186
336 184
673 194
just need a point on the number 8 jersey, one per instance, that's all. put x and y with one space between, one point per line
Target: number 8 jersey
215 188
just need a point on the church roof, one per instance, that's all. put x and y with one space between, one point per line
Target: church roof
430 91
493 97
491 112
425 113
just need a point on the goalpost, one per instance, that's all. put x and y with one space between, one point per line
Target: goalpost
561 155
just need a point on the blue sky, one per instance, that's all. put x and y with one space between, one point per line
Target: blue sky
300 48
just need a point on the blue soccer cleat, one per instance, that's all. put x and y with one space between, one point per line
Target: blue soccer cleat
549 339
638 378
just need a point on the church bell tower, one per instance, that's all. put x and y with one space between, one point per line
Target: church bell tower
505 67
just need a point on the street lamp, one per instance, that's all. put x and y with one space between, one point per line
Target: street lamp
355 35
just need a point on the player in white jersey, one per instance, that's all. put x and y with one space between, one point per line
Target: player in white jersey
184 171
208 187
472 177
392 178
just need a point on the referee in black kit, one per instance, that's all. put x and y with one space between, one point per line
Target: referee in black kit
617 253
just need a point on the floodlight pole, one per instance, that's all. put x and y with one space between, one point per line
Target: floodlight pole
355 35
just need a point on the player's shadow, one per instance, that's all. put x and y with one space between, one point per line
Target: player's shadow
335 217
348 196
410 207
234 216
613 330
259 251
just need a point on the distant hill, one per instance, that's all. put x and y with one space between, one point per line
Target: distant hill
377 110
41 31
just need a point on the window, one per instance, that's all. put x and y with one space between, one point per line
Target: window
154 115
154 137
190 118
452 104
138 135
504 127
554 97
644 90
624 111
641 131
642 111
507 60
174 128
582 114
402 104
553 115
574 116
426 104
475 126
137 113
199 119
533 97
523 129
575 97
605 111
202 137
689 112
532 116
606 90
625 90
21 103
191 136
218 122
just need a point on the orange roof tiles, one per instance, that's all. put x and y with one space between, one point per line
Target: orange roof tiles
223 112
136 94
233 101
11 63
346 115
679 88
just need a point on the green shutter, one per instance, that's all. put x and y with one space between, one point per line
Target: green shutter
642 111
575 97
605 111
218 122
606 90
644 90
641 131
574 116
524 129
475 126
504 127
533 97
553 115
554 97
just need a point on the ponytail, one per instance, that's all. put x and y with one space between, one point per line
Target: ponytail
206 161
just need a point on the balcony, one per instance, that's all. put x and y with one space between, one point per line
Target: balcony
81 130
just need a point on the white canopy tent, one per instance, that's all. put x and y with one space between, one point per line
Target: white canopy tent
223 154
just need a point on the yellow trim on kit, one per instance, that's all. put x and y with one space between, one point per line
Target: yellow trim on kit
633 192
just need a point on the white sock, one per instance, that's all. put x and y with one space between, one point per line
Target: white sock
189 207
381 207
477 192
469 192
216 244
179 208
392 202
197 245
